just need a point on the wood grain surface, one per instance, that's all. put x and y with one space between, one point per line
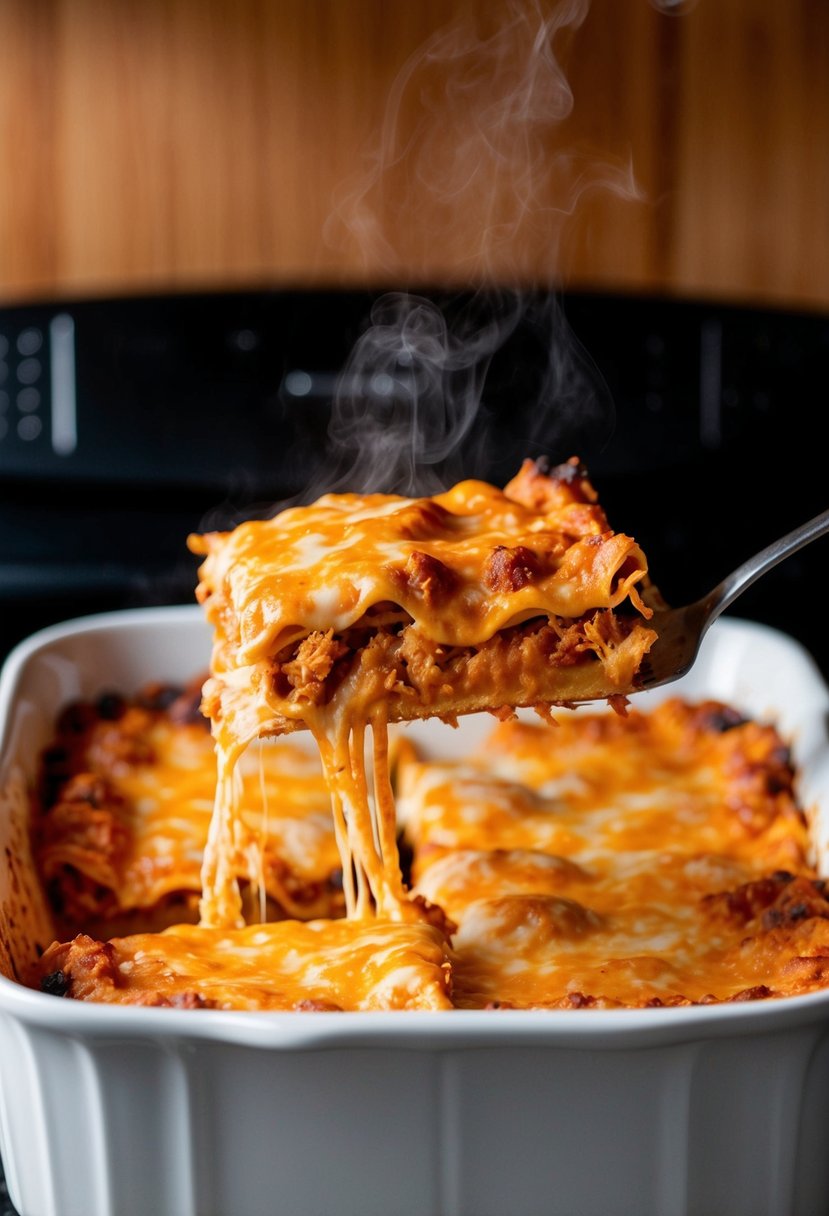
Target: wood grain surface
156 144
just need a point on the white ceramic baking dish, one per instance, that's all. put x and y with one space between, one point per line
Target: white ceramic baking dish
108 1111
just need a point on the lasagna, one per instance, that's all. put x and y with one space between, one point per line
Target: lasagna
598 861
121 820
361 610
659 859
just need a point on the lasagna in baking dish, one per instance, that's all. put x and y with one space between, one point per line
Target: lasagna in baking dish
583 860
597 862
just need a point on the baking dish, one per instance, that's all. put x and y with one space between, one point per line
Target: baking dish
114 1111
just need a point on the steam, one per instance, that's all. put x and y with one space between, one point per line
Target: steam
470 183
425 381
470 179
416 409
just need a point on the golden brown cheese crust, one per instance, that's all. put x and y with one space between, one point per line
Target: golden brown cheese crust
321 965
530 580
122 816
328 564
610 862
655 860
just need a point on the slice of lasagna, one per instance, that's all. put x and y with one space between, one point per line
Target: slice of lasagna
364 609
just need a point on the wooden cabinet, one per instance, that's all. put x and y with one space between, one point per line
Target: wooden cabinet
184 143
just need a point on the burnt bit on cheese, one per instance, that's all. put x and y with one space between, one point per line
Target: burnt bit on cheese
56 983
181 703
759 992
76 718
110 706
543 486
719 718
157 696
778 900
578 1000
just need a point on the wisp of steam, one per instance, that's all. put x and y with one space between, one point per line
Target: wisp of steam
469 144
436 390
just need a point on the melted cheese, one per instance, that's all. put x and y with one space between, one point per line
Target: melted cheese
162 798
584 863
316 964
324 566
655 859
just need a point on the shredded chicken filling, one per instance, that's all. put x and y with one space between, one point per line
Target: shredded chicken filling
417 666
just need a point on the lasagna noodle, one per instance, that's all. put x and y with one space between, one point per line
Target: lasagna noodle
360 610
659 859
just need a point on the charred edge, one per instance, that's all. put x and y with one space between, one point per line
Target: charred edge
56 983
